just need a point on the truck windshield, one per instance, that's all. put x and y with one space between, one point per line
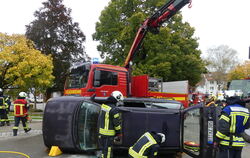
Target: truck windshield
77 78
243 85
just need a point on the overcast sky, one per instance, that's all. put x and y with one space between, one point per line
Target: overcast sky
216 22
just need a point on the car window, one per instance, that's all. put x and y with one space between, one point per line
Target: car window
166 105
134 104
87 126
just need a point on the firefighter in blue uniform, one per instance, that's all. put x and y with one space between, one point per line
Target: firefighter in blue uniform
147 145
4 108
109 124
233 121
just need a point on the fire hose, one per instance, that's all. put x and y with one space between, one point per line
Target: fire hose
15 152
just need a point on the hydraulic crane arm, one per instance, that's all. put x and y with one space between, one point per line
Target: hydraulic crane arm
153 24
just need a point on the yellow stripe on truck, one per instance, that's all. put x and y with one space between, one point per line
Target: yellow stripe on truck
179 98
73 91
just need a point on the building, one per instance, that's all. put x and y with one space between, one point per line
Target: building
208 85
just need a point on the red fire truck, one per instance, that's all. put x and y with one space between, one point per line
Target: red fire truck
87 79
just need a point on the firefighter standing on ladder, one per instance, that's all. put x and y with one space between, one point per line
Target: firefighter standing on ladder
109 124
233 121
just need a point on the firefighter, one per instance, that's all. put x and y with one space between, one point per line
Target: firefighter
147 145
20 113
8 110
211 101
110 124
4 108
233 121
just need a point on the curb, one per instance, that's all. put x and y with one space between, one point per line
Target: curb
20 133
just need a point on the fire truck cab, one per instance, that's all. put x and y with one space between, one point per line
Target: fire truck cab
100 79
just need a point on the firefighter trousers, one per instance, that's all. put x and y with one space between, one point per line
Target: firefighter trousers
226 152
4 117
106 144
24 122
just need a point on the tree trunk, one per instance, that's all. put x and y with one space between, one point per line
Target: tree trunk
35 99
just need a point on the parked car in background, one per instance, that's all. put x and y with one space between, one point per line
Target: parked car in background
38 100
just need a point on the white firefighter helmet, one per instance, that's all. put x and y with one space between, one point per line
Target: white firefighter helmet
23 94
117 95
1 90
163 137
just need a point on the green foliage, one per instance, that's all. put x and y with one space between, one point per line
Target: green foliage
241 71
172 54
54 32
22 66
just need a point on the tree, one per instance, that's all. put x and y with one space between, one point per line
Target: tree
172 54
220 61
22 66
241 71
54 32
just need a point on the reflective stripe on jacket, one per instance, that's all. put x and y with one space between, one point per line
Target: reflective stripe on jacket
3 102
20 108
232 123
212 103
141 148
109 121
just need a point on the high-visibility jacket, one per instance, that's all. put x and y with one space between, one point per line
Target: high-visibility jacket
4 102
233 121
212 103
20 108
146 147
109 120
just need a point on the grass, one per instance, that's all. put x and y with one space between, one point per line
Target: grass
35 114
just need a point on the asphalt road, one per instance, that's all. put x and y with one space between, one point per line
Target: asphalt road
32 145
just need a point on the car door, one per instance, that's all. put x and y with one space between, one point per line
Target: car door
198 131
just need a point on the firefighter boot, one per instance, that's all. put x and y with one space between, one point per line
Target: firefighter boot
14 132
27 130
8 123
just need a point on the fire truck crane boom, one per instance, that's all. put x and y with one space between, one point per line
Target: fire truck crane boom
153 24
